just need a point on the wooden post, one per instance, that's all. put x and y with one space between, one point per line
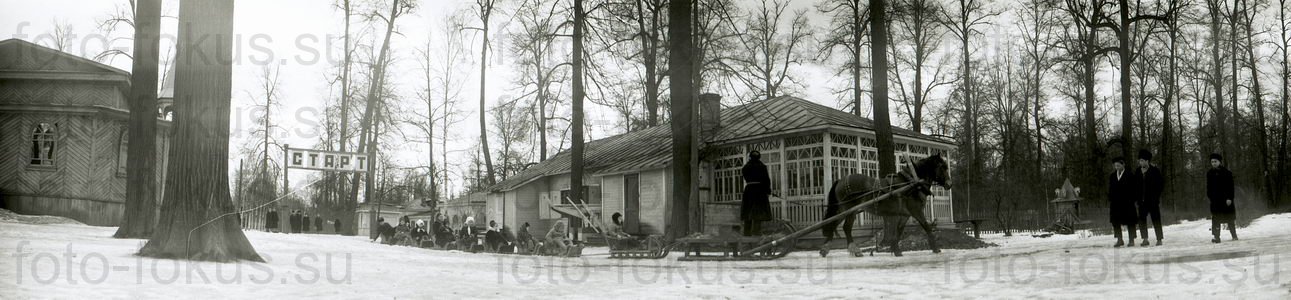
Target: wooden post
285 160
241 205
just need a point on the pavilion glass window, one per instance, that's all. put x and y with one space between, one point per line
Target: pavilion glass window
805 165
869 157
843 156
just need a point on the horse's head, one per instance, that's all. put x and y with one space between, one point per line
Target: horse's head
935 170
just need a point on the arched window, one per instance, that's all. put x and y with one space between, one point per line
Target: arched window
123 152
43 139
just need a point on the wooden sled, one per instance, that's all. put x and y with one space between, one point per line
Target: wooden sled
652 247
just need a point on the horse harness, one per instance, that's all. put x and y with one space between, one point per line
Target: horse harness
907 173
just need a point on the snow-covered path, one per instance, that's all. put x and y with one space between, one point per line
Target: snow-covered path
76 261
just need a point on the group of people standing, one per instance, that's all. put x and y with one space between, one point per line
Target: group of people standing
1135 198
297 222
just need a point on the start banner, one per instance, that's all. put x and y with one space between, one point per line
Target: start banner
326 160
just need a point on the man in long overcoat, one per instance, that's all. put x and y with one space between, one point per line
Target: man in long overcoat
1122 196
1151 183
1220 191
271 220
755 206
294 219
304 222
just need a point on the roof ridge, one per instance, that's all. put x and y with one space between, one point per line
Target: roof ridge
91 62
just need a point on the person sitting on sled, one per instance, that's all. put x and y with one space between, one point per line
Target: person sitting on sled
557 238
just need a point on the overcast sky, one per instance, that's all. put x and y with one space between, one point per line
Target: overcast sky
294 35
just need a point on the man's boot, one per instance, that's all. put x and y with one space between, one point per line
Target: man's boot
1119 243
1214 232
1158 242
1131 244
1145 243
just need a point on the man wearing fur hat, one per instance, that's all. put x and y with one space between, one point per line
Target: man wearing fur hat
1151 183
1219 188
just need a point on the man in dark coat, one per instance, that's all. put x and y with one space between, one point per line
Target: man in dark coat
756 207
1220 191
1151 183
294 221
304 222
1121 195
337 225
271 221
318 223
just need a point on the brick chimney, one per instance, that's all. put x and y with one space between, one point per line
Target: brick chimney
710 111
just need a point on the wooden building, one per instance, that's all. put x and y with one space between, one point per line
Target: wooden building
64 142
804 145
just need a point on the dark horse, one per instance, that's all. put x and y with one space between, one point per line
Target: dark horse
896 211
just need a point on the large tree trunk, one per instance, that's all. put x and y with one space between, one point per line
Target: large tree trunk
650 53
856 57
879 79
141 165
349 228
486 10
198 220
682 89
1091 128
1167 158
1286 81
1261 131
576 124
367 134
1218 78
1127 111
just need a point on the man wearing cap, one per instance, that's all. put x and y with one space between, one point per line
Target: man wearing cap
1151 183
1219 188
755 205
1120 195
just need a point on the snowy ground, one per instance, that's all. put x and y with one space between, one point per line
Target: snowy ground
77 261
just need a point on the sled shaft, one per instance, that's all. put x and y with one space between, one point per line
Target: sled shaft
840 216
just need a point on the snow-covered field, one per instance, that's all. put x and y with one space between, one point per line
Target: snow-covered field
77 261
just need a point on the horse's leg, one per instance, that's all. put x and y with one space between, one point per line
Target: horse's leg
896 231
847 230
927 229
832 208
828 231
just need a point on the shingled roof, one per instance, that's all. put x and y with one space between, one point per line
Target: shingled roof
652 148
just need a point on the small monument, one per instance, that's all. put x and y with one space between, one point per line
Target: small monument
1066 207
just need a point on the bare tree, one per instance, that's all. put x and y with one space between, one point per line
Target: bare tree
638 29
141 164
540 70
1125 51
963 24
484 10
918 23
1249 10
63 36
512 128
770 47
848 24
1283 44
375 101
198 220
1037 23
269 94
